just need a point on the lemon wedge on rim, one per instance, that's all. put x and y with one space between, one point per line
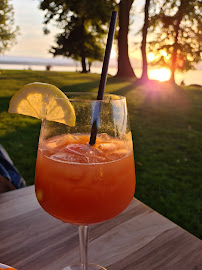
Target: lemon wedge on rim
43 101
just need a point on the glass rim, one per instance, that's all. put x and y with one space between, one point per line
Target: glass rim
111 97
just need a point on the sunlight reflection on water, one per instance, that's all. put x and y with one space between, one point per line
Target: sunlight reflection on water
190 77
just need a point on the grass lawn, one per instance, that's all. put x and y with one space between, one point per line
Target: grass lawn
167 133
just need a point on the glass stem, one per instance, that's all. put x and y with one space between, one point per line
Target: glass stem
83 238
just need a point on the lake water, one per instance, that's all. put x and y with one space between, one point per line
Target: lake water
190 77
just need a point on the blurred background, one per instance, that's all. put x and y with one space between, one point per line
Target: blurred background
31 49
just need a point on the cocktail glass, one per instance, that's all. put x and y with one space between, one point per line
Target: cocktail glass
85 184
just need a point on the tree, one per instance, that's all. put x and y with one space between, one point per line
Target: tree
144 76
176 26
124 66
8 31
83 25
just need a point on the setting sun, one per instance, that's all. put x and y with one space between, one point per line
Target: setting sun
161 74
113 53
150 57
164 53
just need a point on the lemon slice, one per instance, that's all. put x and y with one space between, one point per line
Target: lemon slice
42 100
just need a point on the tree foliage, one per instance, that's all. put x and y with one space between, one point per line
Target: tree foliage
83 27
176 28
8 31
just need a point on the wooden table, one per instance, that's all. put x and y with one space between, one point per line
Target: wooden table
138 239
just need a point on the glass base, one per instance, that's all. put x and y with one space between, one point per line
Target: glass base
90 266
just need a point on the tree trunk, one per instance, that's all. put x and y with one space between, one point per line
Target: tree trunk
144 76
124 66
89 66
175 45
174 55
83 64
83 36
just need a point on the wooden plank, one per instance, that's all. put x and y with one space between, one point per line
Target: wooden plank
17 202
137 239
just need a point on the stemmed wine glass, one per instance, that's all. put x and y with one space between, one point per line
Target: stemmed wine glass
82 183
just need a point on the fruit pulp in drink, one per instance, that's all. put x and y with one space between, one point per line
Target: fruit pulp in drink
83 184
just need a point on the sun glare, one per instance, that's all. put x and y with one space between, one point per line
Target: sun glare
164 53
161 74
113 53
150 57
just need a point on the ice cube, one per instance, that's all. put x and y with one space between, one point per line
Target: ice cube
67 157
104 137
78 149
73 153
61 156
72 137
96 156
106 147
55 141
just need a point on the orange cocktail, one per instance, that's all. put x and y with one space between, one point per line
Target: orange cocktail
85 166
82 184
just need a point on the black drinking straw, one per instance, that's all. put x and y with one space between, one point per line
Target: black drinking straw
103 77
